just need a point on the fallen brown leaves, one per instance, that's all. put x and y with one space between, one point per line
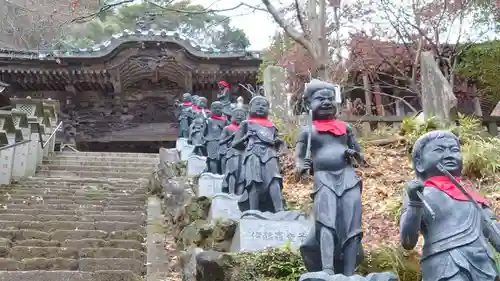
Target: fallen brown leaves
383 186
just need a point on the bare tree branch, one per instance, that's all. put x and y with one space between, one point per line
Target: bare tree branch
300 18
294 34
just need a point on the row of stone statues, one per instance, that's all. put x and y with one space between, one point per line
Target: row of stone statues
459 228
242 146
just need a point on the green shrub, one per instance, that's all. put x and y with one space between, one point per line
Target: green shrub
480 151
288 129
281 264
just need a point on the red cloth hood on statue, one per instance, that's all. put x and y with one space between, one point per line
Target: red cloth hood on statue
224 84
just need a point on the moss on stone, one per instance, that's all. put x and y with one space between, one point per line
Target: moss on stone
196 209
192 229
216 236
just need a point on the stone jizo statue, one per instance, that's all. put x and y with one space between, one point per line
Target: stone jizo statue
215 124
230 157
324 149
225 97
459 236
184 115
261 170
196 138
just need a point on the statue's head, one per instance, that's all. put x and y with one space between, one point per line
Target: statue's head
186 97
216 108
224 89
202 102
195 99
437 147
259 107
238 115
319 96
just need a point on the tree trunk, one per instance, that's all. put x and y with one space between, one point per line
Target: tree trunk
477 104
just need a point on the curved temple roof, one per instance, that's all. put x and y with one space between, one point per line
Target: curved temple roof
107 47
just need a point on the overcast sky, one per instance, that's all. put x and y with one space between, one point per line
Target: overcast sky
258 25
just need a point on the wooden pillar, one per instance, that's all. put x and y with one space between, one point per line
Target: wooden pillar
368 94
378 100
399 108
188 85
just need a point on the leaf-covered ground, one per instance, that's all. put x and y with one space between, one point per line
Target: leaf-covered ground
383 186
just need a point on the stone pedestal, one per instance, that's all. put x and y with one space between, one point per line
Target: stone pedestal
180 143
209 184
34 111
187 150
224 206
6 155
196 165
22 152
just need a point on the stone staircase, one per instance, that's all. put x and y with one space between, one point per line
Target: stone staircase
81 217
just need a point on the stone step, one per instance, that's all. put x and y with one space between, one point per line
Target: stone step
109 275
110 154
84 201
75 207
84 264
130 216
83 180
111 160
133 163
78 243
68 195
22 217
103 169
63 235
50 226
124 190
27 252
94 174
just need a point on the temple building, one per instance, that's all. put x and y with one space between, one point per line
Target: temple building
121 93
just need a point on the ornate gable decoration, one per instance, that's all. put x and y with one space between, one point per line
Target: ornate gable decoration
107 47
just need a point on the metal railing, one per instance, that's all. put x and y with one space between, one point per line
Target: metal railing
52 135
68 146
14 144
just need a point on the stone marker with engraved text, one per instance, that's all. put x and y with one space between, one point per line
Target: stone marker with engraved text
438 98
209 184
196 165
255 234
224 206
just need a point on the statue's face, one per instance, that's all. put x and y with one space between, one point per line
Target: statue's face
259 108
321 103
216 108
445 151
186 97
202 102
238 116
195 99
222 91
